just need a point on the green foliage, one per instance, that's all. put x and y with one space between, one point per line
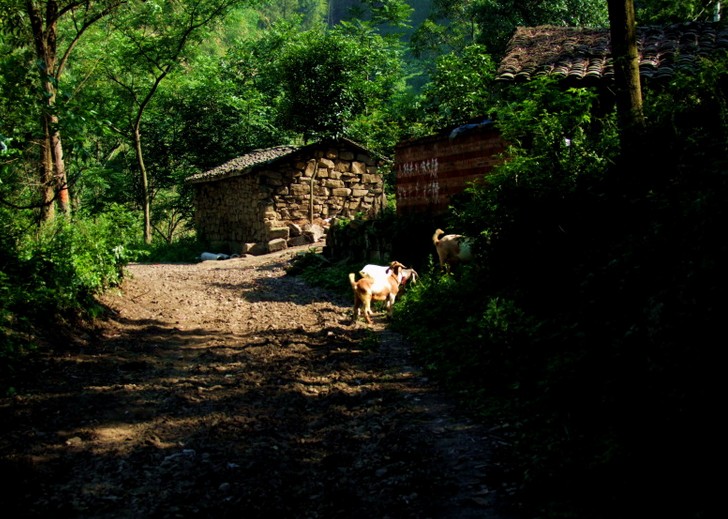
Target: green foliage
217 113
381 239
52 276
68 263
461 88
655 12
186 249
311 13
320 272
456 24
394 13
697 124
585 323
321 85
17 104
329 78
13 325
557 139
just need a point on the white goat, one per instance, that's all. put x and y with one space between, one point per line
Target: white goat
380 288
452 249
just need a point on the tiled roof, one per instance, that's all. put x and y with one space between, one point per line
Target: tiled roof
585 54
243 164
246 163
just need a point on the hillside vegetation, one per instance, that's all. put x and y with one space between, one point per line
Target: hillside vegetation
585 331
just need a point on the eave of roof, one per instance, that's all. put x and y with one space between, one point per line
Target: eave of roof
242 165
585 53
478 124
246 163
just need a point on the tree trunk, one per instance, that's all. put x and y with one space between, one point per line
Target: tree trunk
145 185
59 171
623 32
53 181
47 206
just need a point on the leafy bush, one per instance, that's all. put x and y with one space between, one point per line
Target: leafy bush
183 250
52 276
68 262
58 270
586 323
318 271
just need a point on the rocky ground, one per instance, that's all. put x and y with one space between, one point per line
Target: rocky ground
230 389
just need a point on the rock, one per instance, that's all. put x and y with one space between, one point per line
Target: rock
313 232
277 244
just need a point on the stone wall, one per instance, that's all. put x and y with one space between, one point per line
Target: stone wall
274 205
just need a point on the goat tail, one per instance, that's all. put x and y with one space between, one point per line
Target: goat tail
352 280
436 237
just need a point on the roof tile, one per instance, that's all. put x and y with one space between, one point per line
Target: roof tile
585 53
243 164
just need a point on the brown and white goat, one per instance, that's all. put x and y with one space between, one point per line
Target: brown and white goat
379 272
380 288
382 271
452 249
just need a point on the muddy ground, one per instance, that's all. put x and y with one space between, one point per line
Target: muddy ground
230 389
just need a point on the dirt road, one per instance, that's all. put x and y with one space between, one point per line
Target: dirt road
229 389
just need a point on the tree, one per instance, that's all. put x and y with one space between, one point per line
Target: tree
456 24
151 43
329 78
461 87
393 13
651 12
40 22
626 73
311 13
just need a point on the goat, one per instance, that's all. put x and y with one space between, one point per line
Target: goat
452 249
368 289
409 275
380 272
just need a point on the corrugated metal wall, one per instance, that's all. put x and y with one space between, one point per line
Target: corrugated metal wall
433 169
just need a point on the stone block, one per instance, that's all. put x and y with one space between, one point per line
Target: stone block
278 232
297 241
314 232
342 192
310 168
326 163
247 248
277 244
294 230
300 189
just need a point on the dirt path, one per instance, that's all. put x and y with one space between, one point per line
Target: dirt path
228 389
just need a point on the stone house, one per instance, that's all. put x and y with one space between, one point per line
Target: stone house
283 196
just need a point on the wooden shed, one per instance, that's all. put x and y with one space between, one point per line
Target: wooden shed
432 169
253 203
